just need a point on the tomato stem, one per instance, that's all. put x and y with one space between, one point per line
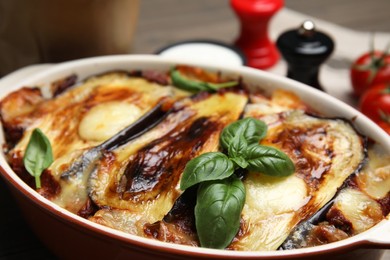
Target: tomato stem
376 63
384 116
386 90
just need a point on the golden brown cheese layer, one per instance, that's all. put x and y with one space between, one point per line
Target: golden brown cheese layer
135 187
140 180
114 100
80 117
16 112
362 203
325 152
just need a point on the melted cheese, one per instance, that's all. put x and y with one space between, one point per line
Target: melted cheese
179 137
106 119
74 194
270 196
269 209
325 153
362 211
374 179
85 116
89 113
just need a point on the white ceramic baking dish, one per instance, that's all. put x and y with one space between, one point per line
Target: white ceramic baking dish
70 236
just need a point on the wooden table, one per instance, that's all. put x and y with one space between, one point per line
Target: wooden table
162 22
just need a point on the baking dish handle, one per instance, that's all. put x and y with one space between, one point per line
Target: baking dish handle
379 236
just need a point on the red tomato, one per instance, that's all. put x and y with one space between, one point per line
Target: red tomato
385 126
370 69
375 103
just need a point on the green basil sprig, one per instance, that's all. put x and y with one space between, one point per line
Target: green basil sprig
38 155
248 130
221 194
268 160
208 166
236 138
182 82
218 209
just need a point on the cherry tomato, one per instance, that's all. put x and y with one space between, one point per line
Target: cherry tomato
375 103
385 126
370 69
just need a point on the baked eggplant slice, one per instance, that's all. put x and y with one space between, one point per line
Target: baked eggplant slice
325 152
81 117
73 179
73 120
363 201
138 183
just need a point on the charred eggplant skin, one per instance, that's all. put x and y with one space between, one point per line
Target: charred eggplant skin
299 234
149 169
320 215
141 178
59 86
325 152
142 125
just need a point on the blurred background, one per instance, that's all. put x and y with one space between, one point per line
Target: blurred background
165 21
45 31
142 28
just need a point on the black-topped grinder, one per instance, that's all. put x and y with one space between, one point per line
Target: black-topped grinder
305 49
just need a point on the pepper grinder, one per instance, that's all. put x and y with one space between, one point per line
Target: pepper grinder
305 49
254 15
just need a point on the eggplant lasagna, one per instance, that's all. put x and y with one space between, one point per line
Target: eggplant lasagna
121 141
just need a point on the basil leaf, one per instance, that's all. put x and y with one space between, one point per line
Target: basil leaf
240 162
38 155
195 86
179 81
237 145
216 86
206 167
268 160
238 135
218 211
